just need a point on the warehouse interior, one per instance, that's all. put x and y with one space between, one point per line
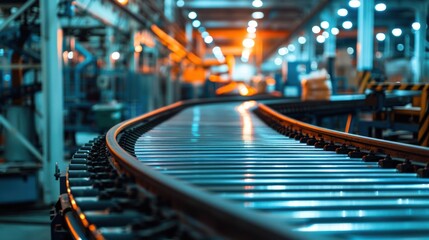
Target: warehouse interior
72 69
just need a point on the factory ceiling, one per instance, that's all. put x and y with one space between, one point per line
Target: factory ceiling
281 21
227 21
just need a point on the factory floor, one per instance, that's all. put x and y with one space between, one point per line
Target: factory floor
28 223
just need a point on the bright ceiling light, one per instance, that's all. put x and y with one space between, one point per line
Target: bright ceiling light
217 50
180 3
196 23
324 24
205 34
251 35
396 32
315 29
70 55
354 3
257 3
320 39
248 43
252 23
380 7
325 34
251 29
192 15
335 31
115 55
350 50
283 51
258 15
416 26
302 40
278 61
138 48
122 2
342 12
380 36
208 39
347 25
291 47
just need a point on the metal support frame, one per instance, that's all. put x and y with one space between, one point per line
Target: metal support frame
21 138
365 45
16 14
53 140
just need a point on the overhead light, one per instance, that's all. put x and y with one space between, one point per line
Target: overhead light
320 39
205 34
248 43
192 15
325 34
138 48
400 47
180 3
201 29
70 55
302 40
291 47
380 36
252 23
122 2
396 32
196 23
278 61
335 31
380 7
208 39
315 29
115 55
416 26
350 50
354 3
283 51
324 24
251 29
257 3
257 15
347 25
342 12
218 54
251 35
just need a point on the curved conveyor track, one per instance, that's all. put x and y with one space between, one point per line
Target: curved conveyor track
231 156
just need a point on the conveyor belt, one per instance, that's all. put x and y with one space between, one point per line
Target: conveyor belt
218 170
225 149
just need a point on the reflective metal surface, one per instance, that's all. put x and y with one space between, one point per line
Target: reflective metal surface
226 150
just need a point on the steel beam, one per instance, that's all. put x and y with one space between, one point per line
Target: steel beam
52 80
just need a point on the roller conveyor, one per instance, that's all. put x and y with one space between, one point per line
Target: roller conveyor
240 170
227 150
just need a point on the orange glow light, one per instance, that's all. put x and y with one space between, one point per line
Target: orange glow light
122 2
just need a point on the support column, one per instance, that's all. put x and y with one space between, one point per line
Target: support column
109 42
365 45
388 45
420 44
189 36
309 53
52 79
330 47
